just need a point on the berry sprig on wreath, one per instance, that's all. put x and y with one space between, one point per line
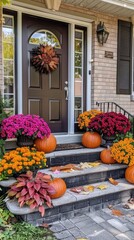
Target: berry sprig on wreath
44 59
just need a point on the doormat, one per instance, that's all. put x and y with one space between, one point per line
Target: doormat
68 146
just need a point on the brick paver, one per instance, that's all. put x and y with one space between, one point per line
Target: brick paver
99 225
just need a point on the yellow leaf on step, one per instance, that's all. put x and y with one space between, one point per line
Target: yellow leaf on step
89 188
94 164
102 187
85 165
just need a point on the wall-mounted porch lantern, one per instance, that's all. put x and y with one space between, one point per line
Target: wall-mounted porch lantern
102 34
53 4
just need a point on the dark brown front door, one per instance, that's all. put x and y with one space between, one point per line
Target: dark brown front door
44 94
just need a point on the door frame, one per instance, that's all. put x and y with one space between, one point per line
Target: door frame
72 21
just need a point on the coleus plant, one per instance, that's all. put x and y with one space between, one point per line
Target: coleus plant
33 191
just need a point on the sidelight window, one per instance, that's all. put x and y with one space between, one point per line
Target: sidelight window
78 84
8 39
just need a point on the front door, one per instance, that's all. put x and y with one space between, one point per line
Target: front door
44 94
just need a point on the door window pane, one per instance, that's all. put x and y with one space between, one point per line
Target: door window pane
44 37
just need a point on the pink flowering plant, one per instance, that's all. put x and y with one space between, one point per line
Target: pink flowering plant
32 126
110 123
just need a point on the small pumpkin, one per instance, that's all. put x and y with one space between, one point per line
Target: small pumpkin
91 139
46 145
60 187
129 174
105 156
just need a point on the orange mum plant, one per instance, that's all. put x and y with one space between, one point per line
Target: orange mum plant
21 160
123 151
85 117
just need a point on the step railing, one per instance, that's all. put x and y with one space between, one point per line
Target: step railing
114 107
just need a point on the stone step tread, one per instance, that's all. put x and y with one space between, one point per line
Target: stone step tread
91 170
101 168
73 152
70 197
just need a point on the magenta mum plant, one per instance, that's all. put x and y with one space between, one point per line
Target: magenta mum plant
110 123
32 126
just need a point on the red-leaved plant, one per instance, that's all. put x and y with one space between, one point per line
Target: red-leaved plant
33 191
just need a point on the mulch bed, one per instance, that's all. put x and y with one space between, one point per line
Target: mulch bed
68 146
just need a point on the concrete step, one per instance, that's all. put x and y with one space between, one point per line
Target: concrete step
89 175
72 204
73 156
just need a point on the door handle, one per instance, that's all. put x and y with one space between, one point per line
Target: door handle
66 92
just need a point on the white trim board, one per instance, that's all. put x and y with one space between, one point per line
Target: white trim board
43 12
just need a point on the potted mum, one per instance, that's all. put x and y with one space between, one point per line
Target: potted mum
109 124
123 151
85 117
21 160
25 128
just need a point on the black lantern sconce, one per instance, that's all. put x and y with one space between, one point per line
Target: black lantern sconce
102 34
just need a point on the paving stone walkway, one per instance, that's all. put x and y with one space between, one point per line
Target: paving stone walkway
99 225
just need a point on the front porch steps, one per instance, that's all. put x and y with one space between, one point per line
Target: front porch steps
73 204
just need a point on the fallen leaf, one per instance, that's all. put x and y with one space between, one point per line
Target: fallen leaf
89 188
112 181
102 187
44 225
110 206
117 212
95 164
89 164
84 165
129 206
66 167
76 189
82 239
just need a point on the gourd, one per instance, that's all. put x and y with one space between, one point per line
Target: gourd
59 185
105 156
129 174
91 139
46 145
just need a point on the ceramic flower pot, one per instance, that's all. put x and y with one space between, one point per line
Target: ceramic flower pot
108 140
24 141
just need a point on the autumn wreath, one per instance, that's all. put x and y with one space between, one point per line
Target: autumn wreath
44 59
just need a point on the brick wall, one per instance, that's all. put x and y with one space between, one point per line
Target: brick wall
104 70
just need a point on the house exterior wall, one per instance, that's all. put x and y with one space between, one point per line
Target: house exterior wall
104 70
1 68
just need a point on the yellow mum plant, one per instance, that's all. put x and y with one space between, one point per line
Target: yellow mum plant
85 117
123 151
21 160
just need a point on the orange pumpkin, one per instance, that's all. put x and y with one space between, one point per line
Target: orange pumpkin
91 139
46 145
129 174
59 185
105 156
